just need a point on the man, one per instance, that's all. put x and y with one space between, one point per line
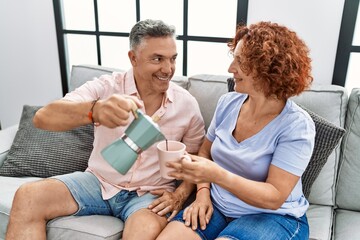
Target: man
141 198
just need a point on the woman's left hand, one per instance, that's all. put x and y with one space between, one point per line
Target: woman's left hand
199 170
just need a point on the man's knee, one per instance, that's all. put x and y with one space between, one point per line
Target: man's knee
31 198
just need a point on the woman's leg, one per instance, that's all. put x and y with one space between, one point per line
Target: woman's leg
266 227
178 230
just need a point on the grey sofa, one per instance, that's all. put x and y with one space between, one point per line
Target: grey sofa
334 212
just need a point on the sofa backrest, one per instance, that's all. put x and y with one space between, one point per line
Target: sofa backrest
348 194
330 102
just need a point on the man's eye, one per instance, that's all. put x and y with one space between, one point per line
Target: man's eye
157 59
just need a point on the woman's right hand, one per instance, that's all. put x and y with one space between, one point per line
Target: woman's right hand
200 210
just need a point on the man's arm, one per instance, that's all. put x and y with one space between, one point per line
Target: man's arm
63 115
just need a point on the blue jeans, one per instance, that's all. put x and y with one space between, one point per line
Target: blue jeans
85 188
266 226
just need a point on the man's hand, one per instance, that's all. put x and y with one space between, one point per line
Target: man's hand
167 202
115 110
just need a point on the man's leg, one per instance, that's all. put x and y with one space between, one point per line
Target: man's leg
34 204
143 224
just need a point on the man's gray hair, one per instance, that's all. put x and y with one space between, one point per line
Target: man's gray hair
149 28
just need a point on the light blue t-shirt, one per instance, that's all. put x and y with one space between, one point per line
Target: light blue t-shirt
286 142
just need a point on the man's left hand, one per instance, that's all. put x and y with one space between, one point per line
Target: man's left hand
167 202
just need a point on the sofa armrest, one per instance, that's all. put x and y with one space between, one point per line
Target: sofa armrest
7 136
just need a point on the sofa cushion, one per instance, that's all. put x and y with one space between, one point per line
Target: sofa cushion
327 138
207 89
320 220
347 224
94 227
9 185
7 136
349 177
41 153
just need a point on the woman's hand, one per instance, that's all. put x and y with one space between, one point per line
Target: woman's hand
199 170
200 211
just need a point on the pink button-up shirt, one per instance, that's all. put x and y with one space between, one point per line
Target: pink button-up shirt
179 118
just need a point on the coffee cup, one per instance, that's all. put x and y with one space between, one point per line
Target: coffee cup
170 151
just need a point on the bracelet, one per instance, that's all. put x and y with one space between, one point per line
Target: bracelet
202 188
90 114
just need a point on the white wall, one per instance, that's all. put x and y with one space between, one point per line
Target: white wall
29 62
316 22
29 65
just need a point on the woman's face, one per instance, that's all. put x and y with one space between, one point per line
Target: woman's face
243 83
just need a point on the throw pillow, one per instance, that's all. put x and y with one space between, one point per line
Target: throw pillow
327 138
230 84
41 153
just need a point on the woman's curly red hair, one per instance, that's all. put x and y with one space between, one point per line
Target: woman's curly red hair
276 57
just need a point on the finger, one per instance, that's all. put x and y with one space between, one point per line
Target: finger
135 100
209 213
202 218
194 219
157 192
165 211
159 207
173 214
188 217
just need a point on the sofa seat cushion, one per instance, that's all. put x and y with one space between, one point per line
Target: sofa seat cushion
84 227
347 224
320 220
8 187
94 227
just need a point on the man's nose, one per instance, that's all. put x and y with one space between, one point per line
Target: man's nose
167 66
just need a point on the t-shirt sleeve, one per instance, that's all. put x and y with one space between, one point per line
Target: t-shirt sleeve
295 145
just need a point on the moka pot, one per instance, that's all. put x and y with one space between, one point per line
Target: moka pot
139 136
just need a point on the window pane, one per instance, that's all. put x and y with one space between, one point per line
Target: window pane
116 16
78 15
208 58
173 15
114 52
356 39
212 18
353 73
81 49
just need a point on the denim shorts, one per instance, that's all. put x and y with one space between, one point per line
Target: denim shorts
85 188
263 226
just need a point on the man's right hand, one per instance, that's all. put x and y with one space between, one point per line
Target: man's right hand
115 110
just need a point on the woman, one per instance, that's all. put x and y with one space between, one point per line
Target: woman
248 170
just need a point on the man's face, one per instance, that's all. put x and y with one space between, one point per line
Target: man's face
154 64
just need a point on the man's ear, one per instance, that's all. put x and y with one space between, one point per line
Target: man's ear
132 57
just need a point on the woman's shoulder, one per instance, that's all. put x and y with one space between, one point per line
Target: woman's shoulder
297 116
232 97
